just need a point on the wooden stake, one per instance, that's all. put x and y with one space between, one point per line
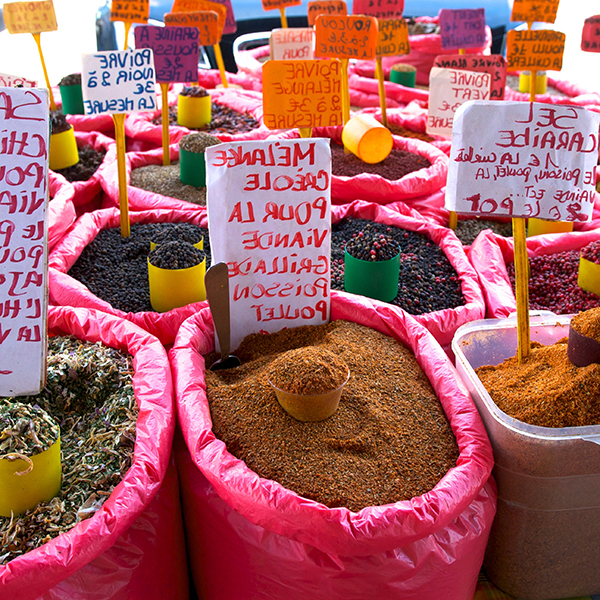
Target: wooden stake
38 41
345 92
305 132
127 28
380 80
164 92
220 64
119 120
521 287
283 17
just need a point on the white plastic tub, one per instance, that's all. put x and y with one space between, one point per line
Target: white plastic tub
545 540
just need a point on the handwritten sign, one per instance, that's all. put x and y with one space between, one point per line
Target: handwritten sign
462 28
346 37
269 219
302 93
448 89
130 11
207 22
536 49
175 49
494 64
23 244
15 80
222 7
381 9
272 4
534 10
392 37
118 81
292 43
30 17
590 35
325 7
523 160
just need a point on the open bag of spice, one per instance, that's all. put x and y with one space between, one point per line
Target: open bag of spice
115 526
383 491
61 210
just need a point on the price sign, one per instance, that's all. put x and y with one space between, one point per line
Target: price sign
292 43
535 49
175 49
325 7
272 4
590 35
30 17
222 7
15 80
381 9
269 206
462 28
130 11
534 10
519 159
494 64
207 22
346 37
302 93
392 37
23 268
448 89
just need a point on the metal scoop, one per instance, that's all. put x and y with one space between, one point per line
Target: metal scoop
216 282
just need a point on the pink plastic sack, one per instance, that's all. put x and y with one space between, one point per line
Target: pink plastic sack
286 546
211 78
61 211
441 324
490 253
66 291
133 546
250 62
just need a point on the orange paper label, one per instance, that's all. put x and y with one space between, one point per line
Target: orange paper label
130 11
207 22
325 7
535 49
392 37
191 6
353 36
271 4
30 17
302 93
534 10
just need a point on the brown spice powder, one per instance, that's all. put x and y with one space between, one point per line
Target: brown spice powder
388 441
546 389
588 323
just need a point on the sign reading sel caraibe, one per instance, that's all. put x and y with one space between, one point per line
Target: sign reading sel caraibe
118 82
269 220
520 159
24 141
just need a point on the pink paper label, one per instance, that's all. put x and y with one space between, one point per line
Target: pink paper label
590 36
462 28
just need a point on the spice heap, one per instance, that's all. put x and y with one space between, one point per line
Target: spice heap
58 122
468 229
115 268
553 284
176 255
307 371
591 252
546 389
420 28
588 323
194 91
428 282
72 79
372 246
90 160
388 441
25 429
198 142
164 180
89 392
409 133
184 232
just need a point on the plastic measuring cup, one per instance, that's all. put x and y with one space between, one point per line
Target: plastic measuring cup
173 288
367 138
372 278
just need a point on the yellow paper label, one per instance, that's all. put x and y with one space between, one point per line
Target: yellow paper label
534 10
392 37
207 22
30 17
131 11
535 49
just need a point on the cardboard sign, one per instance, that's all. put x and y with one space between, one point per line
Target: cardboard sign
23 241
223 8
535 49
302 93
269 219
30 17
392 37
15 80
325 7
462 28
534 10
380 9
292 43
118 81
130 11
448 89
494 64
272 4
206 21
346 37
590 35
176 51
519 159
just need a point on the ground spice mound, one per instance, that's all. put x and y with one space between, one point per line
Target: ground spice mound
90 160
546 389
198 142
25 429
588 323
388 441
58 122
409 133
72 79
223 120
164 180
309 370
194 91
397 164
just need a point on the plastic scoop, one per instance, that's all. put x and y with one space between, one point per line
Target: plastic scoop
367 138
581 349
216 282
